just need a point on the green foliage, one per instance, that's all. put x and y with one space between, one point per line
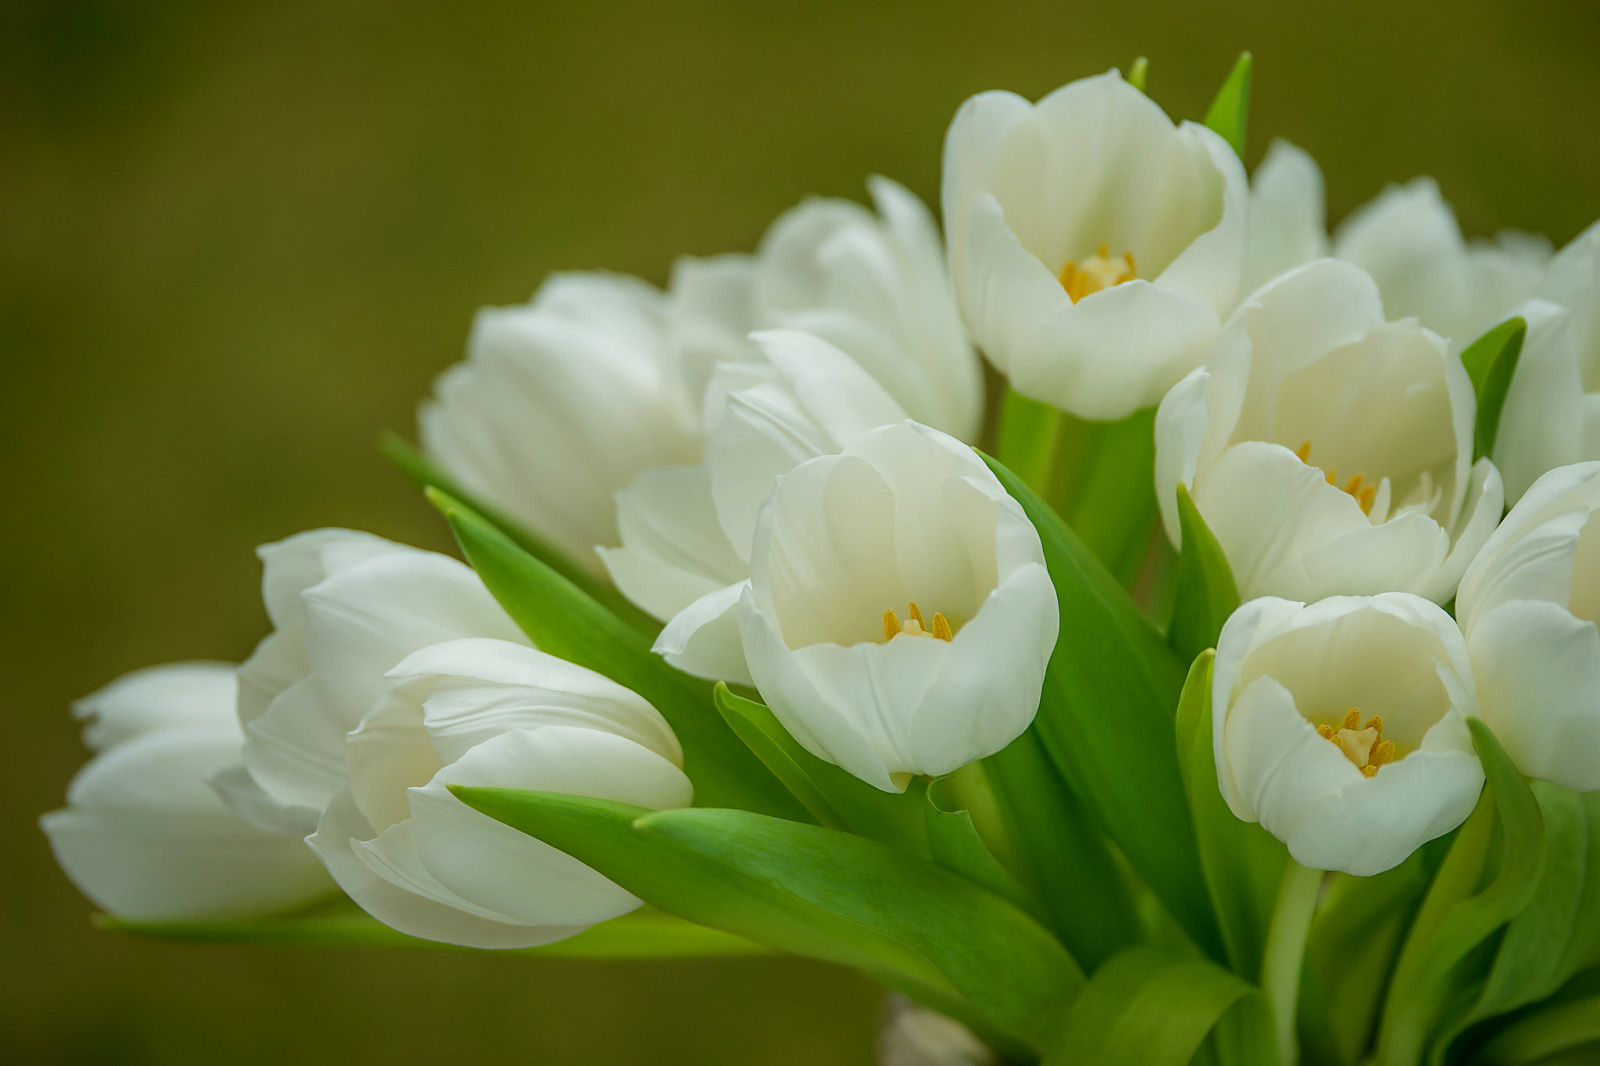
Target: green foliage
1473 896
824 894
1206 594
1056 850
643 934
1229 114
1243 863
567 623
955 844
425 474
1148 1008
1491 360
1106 720
1139 73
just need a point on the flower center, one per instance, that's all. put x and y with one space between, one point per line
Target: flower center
1362 745
913 626
1359 489
1095 273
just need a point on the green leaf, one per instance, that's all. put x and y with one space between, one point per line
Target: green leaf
1147 1008
955 844
1206 593
1456 916
424 474
1490 361
823 894
833 796
1243 863
1106 720
1055 850
1027 439
643 934
1139 73
1538 1037
1555 936
1229 114
565 622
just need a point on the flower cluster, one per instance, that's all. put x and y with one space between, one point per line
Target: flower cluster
752 632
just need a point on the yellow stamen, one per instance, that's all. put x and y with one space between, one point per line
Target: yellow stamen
1096 273
1358 488
914 626
1362 745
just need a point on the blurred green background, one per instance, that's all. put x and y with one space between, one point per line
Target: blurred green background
238 240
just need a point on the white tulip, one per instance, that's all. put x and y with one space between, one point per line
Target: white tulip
876 287
686 531
899 615
489 713
1341 726
346 608
1287 225
1529 605
563 400
1095 246
1329 451
144 835
914 1035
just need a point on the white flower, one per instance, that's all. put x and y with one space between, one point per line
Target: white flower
346 608
1094 246
686 531
563 400
876 287
1529 605
1287 226
1330 451
490 713
899 615
1341 726
144 835
566 400
913 1035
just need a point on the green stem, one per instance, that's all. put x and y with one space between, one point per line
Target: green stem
1286 950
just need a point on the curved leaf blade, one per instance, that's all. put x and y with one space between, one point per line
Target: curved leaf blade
1491 360
1206 593
1229 114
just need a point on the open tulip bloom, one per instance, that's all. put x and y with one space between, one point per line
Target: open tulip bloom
1216 711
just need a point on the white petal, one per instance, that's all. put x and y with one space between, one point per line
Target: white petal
146 838
175 695
1287 215
673 550
1538 673
1180 428
1541 424
501 868
247 799
703 639
387 880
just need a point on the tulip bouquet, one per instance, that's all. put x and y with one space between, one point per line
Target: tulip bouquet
1224 715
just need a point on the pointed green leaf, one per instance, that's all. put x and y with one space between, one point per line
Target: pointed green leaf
1456 917
1490 361
565 622
1540 1036
1027 439
1139 73
643 934
1206 594
425 474
1229 114
1243 863
821 893
1057 853
1147 1008
1106 720
954 841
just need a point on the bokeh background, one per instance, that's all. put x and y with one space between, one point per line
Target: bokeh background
236 240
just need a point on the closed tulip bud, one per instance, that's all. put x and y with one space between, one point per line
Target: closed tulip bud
1095 247
899 615
1340 726
1529 606
1329 450
489 713
143 833
346 607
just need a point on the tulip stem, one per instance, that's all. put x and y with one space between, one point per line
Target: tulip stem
1285 952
